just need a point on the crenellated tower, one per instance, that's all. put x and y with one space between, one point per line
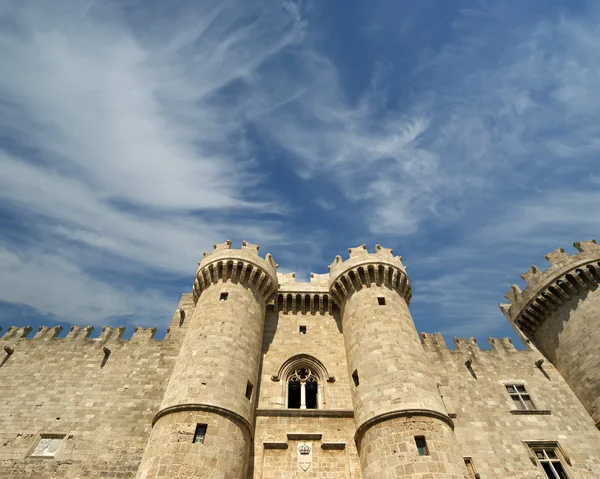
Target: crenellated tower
211 396
398 410
559 312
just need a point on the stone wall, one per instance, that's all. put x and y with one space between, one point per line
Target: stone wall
488 428
102 407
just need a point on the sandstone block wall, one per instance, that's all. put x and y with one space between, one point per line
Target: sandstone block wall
57 386
488 428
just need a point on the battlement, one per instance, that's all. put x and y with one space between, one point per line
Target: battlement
547 290
435 342
364 268
237 265
78 333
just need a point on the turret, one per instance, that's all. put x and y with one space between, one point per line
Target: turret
559 312
204 425
399 413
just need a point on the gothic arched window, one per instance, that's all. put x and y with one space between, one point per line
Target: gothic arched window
304 380
303 389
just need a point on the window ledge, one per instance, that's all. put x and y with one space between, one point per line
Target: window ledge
306 412
533 412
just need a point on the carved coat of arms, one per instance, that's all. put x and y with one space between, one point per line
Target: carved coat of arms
304 455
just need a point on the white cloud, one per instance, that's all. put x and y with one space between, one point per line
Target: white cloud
121 141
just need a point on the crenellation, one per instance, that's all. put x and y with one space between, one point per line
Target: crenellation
143 334
262 376
466 344
45 332
111 333
14 332
79 332
502 344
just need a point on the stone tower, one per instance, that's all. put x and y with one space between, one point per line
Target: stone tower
215 375
396 401
559 312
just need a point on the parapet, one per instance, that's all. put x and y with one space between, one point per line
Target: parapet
77 333
364 268
435 342
546 291
237 265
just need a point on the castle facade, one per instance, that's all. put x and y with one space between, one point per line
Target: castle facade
261 376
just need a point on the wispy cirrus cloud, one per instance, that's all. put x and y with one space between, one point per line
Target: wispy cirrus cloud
121 148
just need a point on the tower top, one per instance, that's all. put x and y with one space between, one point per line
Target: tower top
548 289
363 269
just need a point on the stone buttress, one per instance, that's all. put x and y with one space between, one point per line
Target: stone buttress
559 312
395 400
215 377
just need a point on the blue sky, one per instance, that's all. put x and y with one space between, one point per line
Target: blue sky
133 135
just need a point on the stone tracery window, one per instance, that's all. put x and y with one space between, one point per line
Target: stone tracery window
303 389
304 381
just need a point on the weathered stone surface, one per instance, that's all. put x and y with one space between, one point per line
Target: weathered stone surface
114 408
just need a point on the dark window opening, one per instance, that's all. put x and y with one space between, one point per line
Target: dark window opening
294 395
355 377
421 446
302 329
200 433
551 463
311 395
520 397
381 301
249 389
224 296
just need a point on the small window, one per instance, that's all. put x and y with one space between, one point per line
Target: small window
381 301
200 433
302 330
47 446
520 396
224 296
249 389
470 468
355 377
550 462
421 446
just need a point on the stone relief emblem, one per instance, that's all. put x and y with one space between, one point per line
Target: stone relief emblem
304 455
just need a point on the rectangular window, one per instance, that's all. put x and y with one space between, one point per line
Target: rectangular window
200 433
550 462
302 329
421 446
47 446
520 396
249 389
381 301
294 395
224 296
355 377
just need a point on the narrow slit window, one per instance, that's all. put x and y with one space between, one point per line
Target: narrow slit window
422 448
381 301
200 433
355 377
224 297
302 330
249 388
470 468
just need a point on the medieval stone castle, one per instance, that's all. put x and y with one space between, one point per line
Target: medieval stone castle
260 376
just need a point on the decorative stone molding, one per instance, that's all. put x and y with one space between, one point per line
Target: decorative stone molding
363 269
243 266
547 291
